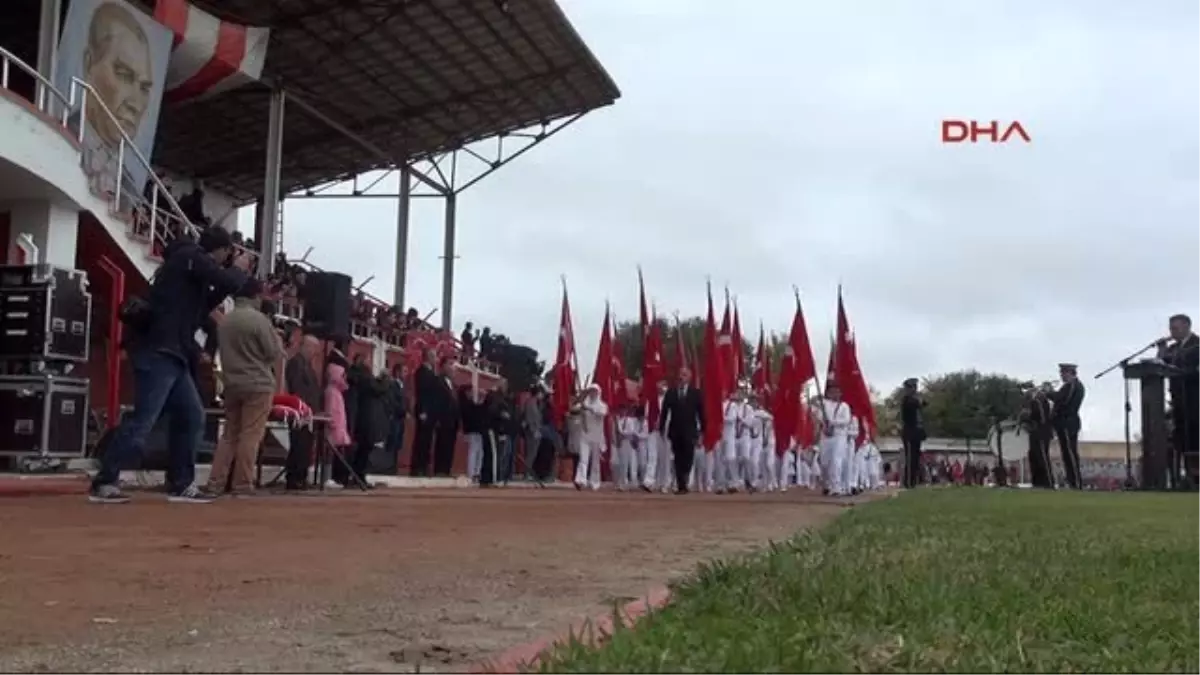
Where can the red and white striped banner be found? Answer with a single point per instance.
(208, 55)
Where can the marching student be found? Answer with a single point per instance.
(767, 463)
(726, 454)
(835, 423)
(593, 412)
(659, 474)
(873, 465)
(632, 437)
(750, 446)
(850, 467)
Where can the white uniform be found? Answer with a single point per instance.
(835, 416)
(659, 473)
(873, 465)
(593, 412)
(726, 454)
(631, 438)
(850, 468)
(808, 468)
(769, 464)
(751, 449)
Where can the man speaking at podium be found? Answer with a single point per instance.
(1182, 350)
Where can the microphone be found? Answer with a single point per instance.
(1161, 342)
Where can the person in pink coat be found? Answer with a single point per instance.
(337, 433)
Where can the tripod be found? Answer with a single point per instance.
(1129, 481)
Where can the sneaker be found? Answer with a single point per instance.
(107, 494)
(192, 495)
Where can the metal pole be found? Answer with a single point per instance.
(270, 197)
(403, 204)
(448, 261)
(48, 27)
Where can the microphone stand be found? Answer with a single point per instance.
(1122, 364)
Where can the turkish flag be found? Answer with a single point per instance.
(681, 351)
(653, 371)
(739, 356)
(728, 382)
(849, 376)
(565, 378)
(714, 378)
(796, 369)
(760, 379)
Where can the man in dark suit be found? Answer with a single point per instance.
(426, 409)
(1183, 352)
(447, 420)
(682, 420)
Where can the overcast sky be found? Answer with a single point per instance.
(772, 143)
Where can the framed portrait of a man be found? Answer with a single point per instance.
(122, 53)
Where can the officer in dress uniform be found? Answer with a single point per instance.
(1065, 417)
(1035, 420)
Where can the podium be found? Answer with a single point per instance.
(1157, 465)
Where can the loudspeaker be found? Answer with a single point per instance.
(327, 305)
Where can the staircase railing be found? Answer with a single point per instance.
(157, 217)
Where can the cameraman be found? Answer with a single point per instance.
(161, 344)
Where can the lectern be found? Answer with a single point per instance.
(1156, 447)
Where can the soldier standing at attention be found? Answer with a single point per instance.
(912, 432)
(1065, 415)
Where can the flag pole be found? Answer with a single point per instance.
(816, 372)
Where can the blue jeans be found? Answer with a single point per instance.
(507, 458)
(161, 384)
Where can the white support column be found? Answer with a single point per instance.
(403, 203)
(270, 198)
(54, 229)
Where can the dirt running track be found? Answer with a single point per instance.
(392, 581)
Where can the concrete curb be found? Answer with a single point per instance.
(522, 658)
(34, 485)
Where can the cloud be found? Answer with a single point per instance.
(791, 143)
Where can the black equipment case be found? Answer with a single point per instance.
(43, 415)
(45, 313)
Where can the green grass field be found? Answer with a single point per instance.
(963, 580)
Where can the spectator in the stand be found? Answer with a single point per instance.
(428, 408)
(531, 431)
(192, 205)
(485, 343)
(161, 345)
(398, 412)
(281, 264)
(302, 381)
(338, 428)
(412, 320)
(372, 421)
(239, 239)
(504, 428)
(251, 363)
(471, 414)
(447, 431)
(468, 340)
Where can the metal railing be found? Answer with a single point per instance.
(389, 336)
(157, 217)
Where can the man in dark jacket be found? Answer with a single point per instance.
(164, 354)
(302, 380)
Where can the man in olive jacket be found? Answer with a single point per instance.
(251, 361)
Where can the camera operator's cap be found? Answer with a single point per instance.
(252, 287)
(911, 382)
(213, 238)
(1068, 367)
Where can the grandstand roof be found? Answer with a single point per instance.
(414, 77)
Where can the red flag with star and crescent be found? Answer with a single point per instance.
(849, 375)
(795, 371)
(652, 357)
(713, 381)
(565, 377)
